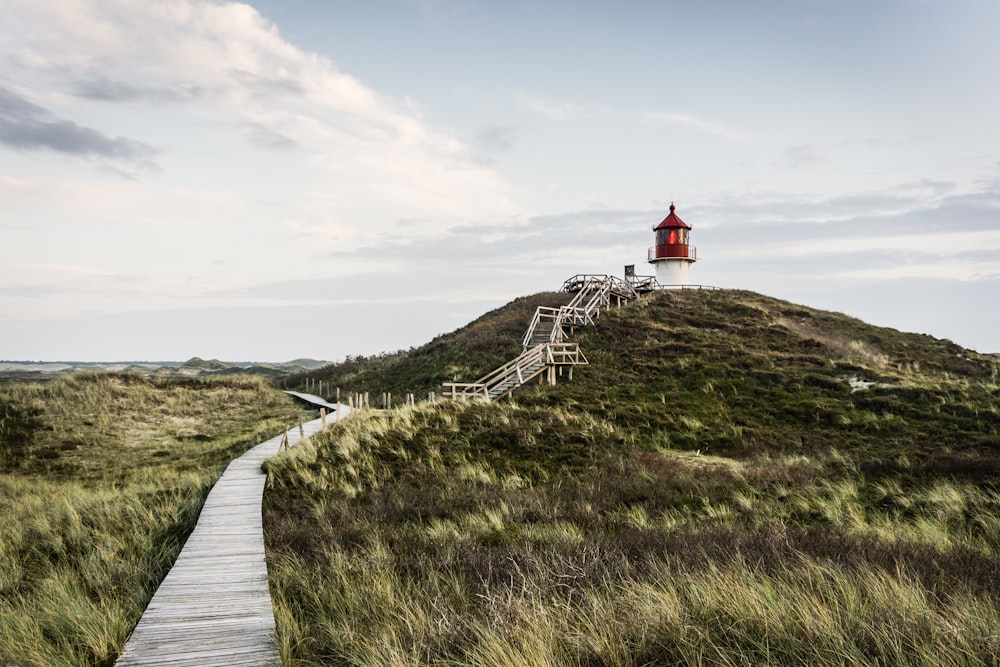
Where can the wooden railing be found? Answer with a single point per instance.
(525, 367)
(593, 292)
(542, 314)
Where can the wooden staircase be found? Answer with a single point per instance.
(546, 353)
(547, 358)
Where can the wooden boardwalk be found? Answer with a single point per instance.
(214, 607)
(317, 402)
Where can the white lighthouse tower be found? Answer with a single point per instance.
(672, 255)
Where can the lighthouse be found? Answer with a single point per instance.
(672, 255)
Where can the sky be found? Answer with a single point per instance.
(290, 178)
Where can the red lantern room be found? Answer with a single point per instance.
(672, 254)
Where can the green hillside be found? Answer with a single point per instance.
(732, 480)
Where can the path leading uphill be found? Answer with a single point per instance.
(214, 607)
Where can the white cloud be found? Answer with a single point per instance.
(696, 123)
(223, 65)
(546, 108)
(804, 156)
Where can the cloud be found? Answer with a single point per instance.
(106, 90)
(547, 109)
(27, 126)
(494, 140)
(911, 230)
(269, 85)
(267, 138)
(799, 157)
(695, 123)
(36, 291)
(561, 111)
(198, 73)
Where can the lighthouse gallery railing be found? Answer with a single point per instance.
(674, 252)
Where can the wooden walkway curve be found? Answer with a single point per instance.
(214, 607)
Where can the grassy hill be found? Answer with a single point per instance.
(732, 480)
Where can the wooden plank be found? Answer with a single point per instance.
(214, 607)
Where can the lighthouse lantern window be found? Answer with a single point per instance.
(671, 236)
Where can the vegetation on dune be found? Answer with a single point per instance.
(736, 373)
(101, 479)
(711, 489)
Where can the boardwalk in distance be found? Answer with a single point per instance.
(214, 607)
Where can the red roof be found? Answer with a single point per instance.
(672, 221)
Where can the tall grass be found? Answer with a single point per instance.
(515, 534)
(103, 478)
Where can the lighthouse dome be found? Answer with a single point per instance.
(672, 221)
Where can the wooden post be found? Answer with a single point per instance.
(322, 415)
(390, 399)
(367, 404)
(284, 441)
(302, 430)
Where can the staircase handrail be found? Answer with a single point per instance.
(573, 284)
(544, 354)
(543, 312)
(562, 354)
(522, 360)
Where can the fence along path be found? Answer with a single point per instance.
(214, 607)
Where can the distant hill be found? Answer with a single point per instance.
(210, 365)
(41, 370)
